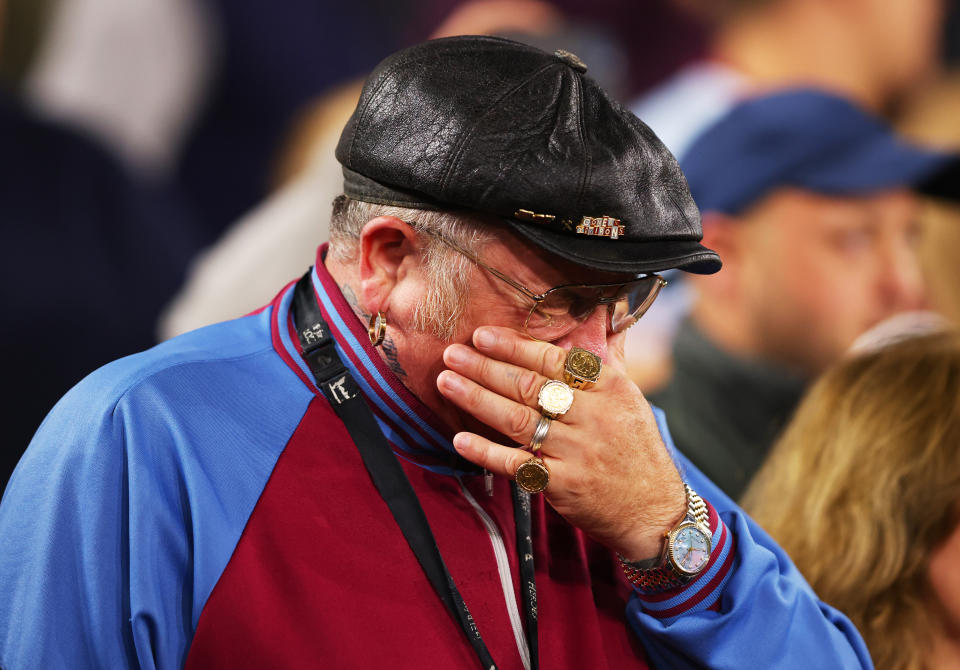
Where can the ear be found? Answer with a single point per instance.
(389, 250)
(724, 234)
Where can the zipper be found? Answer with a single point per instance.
(506, 578)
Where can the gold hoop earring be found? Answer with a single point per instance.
(377, 328)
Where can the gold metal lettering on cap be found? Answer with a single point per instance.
(601, 226)
(527, 215)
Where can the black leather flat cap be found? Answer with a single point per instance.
(496, 126)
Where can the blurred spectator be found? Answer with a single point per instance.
(131, 71)
(205, 89)
(871, 51)
(90, 255)
(809, 201)
(241, 272)
(274, 60)
(932, 117)
(209, 88)
(278, 237)
(874, 52)
(863, 492)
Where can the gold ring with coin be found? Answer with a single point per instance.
(540, 433)
(554, 398)
(532, 476)
(581, 368)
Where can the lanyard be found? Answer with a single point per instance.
(343, 393)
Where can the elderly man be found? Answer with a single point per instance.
(813, 204)
(336, 481)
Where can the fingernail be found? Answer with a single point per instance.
(450, 381)
(461, 442)
(457, 353)
(483, 337)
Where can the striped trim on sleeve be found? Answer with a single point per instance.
(704, 591)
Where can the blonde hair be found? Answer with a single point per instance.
(439, 310)
(865, 482)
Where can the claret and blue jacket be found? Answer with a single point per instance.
(200, 505)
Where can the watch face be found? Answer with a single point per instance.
(690, 550)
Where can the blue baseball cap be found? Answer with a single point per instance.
(813, 140)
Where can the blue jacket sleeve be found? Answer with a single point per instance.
(129, 501)
(65, 569)
(762, 614)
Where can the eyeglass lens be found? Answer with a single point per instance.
(564, 307)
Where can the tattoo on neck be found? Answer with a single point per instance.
(354, 303)
(389, 349)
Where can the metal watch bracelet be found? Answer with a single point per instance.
(658, 574)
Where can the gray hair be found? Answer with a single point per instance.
(440, 309)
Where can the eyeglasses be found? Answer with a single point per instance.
(559, 310)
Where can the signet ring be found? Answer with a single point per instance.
(581, 368)
(532, 475)
(554, 398)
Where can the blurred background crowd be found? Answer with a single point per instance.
(165, 164)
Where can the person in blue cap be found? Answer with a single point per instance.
(813, 204)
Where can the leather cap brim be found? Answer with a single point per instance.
(623, 255)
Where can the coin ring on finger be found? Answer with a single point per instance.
(555, 398)
(581, 368)
(532, 476)
(540, 433)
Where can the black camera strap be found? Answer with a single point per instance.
(343, 393)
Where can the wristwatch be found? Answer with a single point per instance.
(685, 553)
